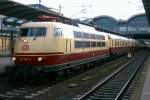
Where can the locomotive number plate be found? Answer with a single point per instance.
(25, 47)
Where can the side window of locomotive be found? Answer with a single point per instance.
(57, 32)
(100, 37)
(93, 36)
(103, 37)
(87, 44)
(78, 44)
(93, 44)
(34, 31)
(86, 35)
(77, 34)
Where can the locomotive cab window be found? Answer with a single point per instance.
(57, 32)
(34, 31)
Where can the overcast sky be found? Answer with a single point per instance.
(119, 9)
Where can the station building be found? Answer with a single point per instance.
(4, 37)
(137, 24)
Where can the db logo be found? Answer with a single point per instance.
(25, 47)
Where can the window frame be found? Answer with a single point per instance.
(57, 35)
(30, 30)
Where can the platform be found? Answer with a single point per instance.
(3, 62)
(146, 88)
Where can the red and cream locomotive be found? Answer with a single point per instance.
(55, 46)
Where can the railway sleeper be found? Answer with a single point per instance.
(104, 96)
(108, 92)
(110, 89)
(99, 98)
(5, 97)
(112, 85)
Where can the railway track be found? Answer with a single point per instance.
(23, 91)
(10, 94)
(114, 86)
(16, 91)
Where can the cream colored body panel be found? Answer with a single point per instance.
(64, 43)
(40, 45)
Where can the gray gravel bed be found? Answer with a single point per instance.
(78, 85)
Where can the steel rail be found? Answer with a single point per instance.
(130, 80)
(101, 84)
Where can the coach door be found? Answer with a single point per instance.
(68, 46)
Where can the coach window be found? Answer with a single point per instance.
(121, 43)
(93, 44)
(125, 43)
(115, 43)
(57, 32)
(98, 37)
(103, 44)
(98, 44)
(112, 43)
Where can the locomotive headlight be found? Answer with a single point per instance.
(25, 41)
(39, 59)
(13, 58)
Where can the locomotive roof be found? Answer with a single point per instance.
(35, 24)
(81, 27)
(113, 36)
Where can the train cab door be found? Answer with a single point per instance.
(68, 49)
(68, 46)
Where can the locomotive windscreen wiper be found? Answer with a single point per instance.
(19, 34)
(34, 38)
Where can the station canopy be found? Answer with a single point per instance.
(146, 4)
(20, 11)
